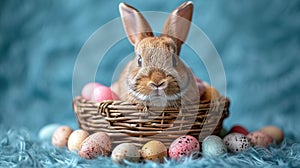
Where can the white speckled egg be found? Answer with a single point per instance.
(125, 151)
(213, 146)
(47, 131)
(154, 151)
(97, 144)
(76, 138)
(61, 135)
(236, 142)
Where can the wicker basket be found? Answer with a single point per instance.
(125, 122)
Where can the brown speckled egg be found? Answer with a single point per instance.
(61, 135)
(97, 144)
(76, 138)
(236, 142)
(259, 138)
(184, 146)
(154, 151)
(275, 132)
(125, 151)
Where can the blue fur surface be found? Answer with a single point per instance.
(258, 41)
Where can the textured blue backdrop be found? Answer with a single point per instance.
(258, 41)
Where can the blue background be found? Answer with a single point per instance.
(258, 41)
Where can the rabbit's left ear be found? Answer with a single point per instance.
(178, 24)
(135, 25)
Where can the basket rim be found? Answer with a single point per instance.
(124, 105)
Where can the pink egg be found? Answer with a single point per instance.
(184, 146)
(87, 90)
(101, 93)
(259, 138)
(97, 144)
(200, 85)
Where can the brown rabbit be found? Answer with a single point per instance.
(157, 76)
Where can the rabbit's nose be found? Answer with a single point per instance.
(158, 85)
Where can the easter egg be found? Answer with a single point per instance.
(97, 144)
(184, 146)
(47, 131)
(101, 93)
(154, 151)
(125, 151)
(61, 135)
(210, 94)
(259, 138)
(87, 90)
(213, 146)
(239, 129)
(223, 133)
(275, 132)
(236, 142)
(76, 138)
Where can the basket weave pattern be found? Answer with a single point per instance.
(126, 122)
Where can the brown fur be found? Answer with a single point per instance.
(137, 84)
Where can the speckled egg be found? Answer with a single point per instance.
(275, 132)
(239, 129)
(101, 93)
(97, 144)
(213, 146)
(184, 146)
(154, 151)
(47, 131)
(61, 135)
(259, 138)
(125, 151)
(76, 138)
(236, 142)
(87, 90)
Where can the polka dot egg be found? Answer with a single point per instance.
(236, 142)
(184, 146)
(154, 151)
(97, 144)
(125, 151)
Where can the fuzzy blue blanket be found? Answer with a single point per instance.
(258, 42)
(19, 148)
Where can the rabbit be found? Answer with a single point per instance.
(157, 76)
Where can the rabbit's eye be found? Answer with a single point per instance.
(140, 61)
(174, 60)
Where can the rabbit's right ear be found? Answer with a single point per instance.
(178, 24)
(135, 25)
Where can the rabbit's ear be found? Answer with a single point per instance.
(135, 25)
(178, 24)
